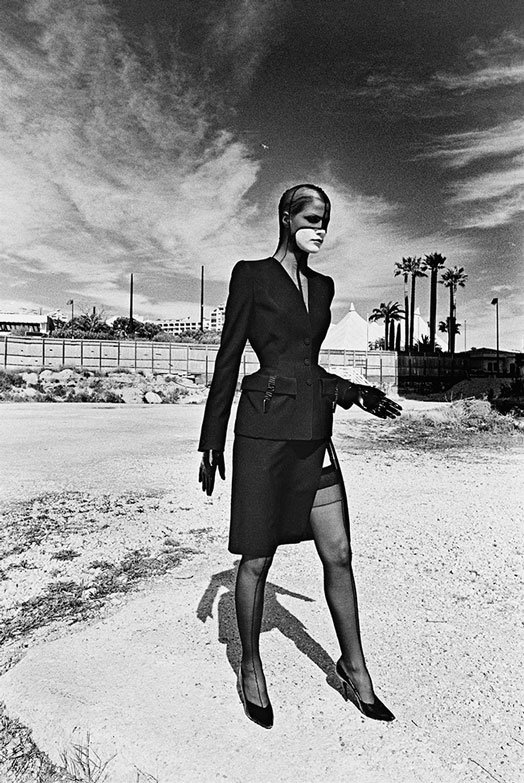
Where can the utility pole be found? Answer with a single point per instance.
(131, 303)
(202, 300)
(465, 333)
(495, 302)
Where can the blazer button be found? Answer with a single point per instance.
(307, 362)
(307, 340)
(309, 382)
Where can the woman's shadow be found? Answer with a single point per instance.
(275, 616)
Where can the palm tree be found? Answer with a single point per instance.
(452, 279)
(415, 267)
(388, 313)
(434, 261)
(443, 326)
(403, 268)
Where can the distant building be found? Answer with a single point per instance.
(25, 323)
(216, 319)
(215, 322)
(483, 361)
(180, 325)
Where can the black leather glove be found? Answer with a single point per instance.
(374, 401)
(211, 460)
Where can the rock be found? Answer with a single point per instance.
(131, 395)
(64, 375)
(45, 376)
(30, 378)
(30, 393)
(152, 398)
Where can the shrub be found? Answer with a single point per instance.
(10, 379)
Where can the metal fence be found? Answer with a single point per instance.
(379, 367)
(422, 372)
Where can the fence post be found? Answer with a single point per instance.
(81, 353)
(170, 347)
(135, 357)
(187, 360)
(100, 354)
(5, 352)
(118, 353)
(381, 370)
(63, 351)
(43, 351)
(207, 365)
(152, 356)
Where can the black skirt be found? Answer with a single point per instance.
(274, 485)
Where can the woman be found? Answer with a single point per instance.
(282, 427)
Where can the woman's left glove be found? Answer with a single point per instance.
(374, 401)
(211, 460)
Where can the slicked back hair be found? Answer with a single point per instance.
(293, 201)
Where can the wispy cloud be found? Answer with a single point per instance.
(460, 149)
(490, 65)
(110, 162)
(490, 191)
(240, 34)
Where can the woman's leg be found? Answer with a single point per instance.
(330, 532)
(249, 601)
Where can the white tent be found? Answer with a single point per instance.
(352, 333)
(421, 329)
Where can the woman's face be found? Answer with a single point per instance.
(307, 226)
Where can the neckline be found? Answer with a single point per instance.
(295, 287)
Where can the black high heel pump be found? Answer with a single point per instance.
(263, 716)
(377, 710)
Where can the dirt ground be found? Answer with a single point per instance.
(149, 672)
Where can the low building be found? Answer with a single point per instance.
(25, 323)
(181, 325)
(214, 322)
(483, 361)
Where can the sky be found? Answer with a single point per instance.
(156, 136)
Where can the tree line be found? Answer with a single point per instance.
(411, 268)
(93, 326)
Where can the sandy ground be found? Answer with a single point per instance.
(437, 555)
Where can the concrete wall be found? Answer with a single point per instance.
(379, 367)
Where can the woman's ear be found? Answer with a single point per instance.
(285, 219)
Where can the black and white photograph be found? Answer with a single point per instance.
(261, 391)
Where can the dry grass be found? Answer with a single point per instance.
(44, 525)
(77, 601)
(466, 423)
(20, 759)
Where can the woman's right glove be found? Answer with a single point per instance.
(211, 460)
(374, 401)
(370, 399)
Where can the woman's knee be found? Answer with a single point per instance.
(337, 554)
(255, 566)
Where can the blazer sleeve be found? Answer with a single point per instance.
(227, 363)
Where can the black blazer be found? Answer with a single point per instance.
(290, 397)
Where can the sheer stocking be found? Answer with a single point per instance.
(249, 602)
(331, 533)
